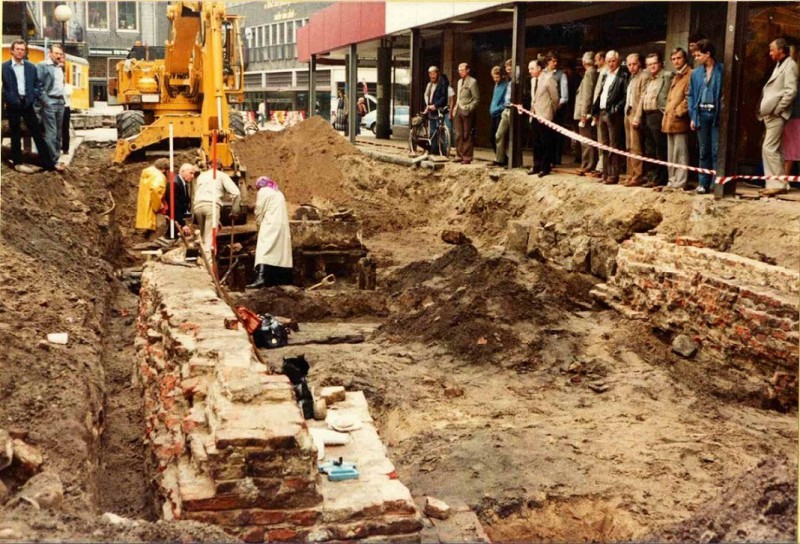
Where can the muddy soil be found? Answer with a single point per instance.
(493, 378)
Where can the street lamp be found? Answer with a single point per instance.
(63, 13)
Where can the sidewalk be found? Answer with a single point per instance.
(480, 154)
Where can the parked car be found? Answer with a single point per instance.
(400, 118)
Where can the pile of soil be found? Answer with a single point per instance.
(760, 506)
(302, 160)
(478, 308)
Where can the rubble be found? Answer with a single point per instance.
(436, 509)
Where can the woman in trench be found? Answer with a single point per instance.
(274, 247)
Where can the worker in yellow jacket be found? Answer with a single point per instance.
(152, 186)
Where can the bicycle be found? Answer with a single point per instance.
(419, 135)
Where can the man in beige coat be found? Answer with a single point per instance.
(774, 109)
(633, 132)
(583, 112)
(676, 120)
(544, 103)
(467, 98)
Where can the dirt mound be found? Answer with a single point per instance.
(761, 506)
(302, 159)
(303, 305)
(467, 303)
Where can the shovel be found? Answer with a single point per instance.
(330, 279)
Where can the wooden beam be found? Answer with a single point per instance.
(733, 57)
(518, 61)
(415, 70)
(312, 86)
(352, 72)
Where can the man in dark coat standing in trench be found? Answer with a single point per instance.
(183, 201)
(21, 90)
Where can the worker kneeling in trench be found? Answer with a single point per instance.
(273, 263)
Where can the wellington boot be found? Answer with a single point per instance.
(261, 277)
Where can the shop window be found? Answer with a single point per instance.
(127, 16)
(97, 15)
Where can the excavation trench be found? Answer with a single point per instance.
(497, 381)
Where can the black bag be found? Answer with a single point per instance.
(271, 334)
(296, 369)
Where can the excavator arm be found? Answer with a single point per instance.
(191, 88)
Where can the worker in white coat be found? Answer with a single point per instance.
(273, 262)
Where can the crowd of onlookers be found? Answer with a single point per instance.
(39, 95)
(631, 103)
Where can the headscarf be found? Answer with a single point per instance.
(264, 181)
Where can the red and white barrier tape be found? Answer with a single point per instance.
(584, 140)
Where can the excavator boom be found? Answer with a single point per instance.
(190, 88)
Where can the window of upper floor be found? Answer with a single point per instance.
(128, 16)
(97, 15)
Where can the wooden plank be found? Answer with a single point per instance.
(332, 333)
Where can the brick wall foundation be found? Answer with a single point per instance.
(742, 310)
(228, 441)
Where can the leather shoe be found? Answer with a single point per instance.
(543, 174)
(532, 172)
(610, 181)
(773, 192)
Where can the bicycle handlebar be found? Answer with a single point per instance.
(441, 111)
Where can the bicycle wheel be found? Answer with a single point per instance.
(415, 135)
(443, 141)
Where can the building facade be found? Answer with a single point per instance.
(101, 32)
(274, 79)
(484, 34)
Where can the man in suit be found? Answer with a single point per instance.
(583, 112)
(21, 89)
(650, 115)
(183, 202)
(633, 131)
(774, 109)
(51, 102)
(467, 98)
(608, 109)
(544, 103)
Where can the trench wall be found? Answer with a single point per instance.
(229, 444)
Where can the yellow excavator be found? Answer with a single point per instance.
(189, 84)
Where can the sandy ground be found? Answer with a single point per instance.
(494, 379)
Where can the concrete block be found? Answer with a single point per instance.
(332, 394)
